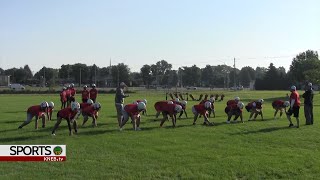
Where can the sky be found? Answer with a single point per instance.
(137, 32)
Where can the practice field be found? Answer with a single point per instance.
(253, 150)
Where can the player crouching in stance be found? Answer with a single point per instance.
(170, 109)
(144, 112)
(37, 111)
(281, 106)
(255, 108)
(91, 111)
(68, 114)
(202, 109)
(211, 110)
(236, 110)
(159, 106)
(132, 111)
(183, 104)
(50, 110)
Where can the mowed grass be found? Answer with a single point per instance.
(253, 150)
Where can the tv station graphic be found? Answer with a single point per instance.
(53, 153)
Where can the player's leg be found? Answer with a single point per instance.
(296, 115)
(36, 122)
(275, 113)
(157, 114)
(138, 122)
(173, 117)
(94, 121)
(289, 117)
(180, 114)
(43, 117)
(27, 121)
(69, 126)
(75, 126)
(196, 114)
(251, 114)
(85, 119)
(56, 125)
(125, 118)
(165, 117)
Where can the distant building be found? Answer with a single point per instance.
(4, 80)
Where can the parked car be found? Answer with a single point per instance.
(194, 88)
(16, 87)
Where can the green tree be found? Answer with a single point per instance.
(146, 74)
(303, 62)
(246, 75)
(120, 73)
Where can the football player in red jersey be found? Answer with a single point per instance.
(91, 111)
(63, 97)
(236, 110)
(132, 111)
(294, 106)
(159, 106)
(255, 108)
(233, 101)
(144, 112)
(281, 106)
(68, 114)
(202, 109)
(210, 110)
(170, 109)
(85, 94)
(93, 93)
(37, 111)
(72, 90)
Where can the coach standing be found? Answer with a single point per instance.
(308, 104)
(119, 99)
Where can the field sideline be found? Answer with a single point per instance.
(253, 150)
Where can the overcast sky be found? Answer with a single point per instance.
(137, 32)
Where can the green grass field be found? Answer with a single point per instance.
(253, 150)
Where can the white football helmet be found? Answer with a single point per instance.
(237, 99)
(141, 106)
(85, 86)
(75, 106)
(286, 103)
(145, 101)
(177, 99)
(240, 105)
(293, 88)
(212, 99)
(178, 108)
(89, 101)
(71, 85)
(261, 101)
(184, 103)
(51, 104)
(93, 85)
(170, 102)
(44, 104)
(97, 105)
(207, 104)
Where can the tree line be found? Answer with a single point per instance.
(305, 67)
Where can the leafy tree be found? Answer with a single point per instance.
(146, 74)
(191, 76)
(159, 70)
(303, 62)
(247, 74)
(120, 73)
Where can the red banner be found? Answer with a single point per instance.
(33, 158)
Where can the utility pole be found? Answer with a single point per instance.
(80, 79)
(44, 76)
(95, 74)
(234, 75)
